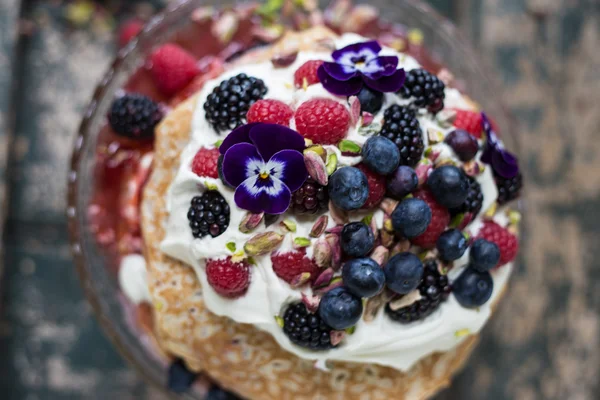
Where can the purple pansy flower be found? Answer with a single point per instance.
(264, 162)
(503, 162)
(360, 64)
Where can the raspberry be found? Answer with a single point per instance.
(270, 111)
(376, 185)
(172, 68)
(506, 241)
(134, 116)
(208, 215)
(129, 30)
(205, 163)
(469, 121)
(227, 278)
(402, 127)
(305, 329)
(426, 88)
(440, 218)
(323, 121)
(434, 288)
(289, 265)
(210, 71)
(307, 71)
(311, 198)
(228, 104)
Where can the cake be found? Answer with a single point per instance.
(324, 218)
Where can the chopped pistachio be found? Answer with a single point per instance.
(289, 225)
(462, 332)
(435, 136)
(211, 185)
(301, 241)
(368, 130)
(231, 246)
(491, 211)
(238, 256)
(348, 146)
(279, 321)
(331, 164)
(415, 37)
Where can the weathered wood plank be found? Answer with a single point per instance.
(9, 11)
(51, 346)
(544, 342)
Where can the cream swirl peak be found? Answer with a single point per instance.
(288, 274)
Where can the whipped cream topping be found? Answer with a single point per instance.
(133, 279)
(381, 341)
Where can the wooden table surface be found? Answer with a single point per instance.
(543, 344)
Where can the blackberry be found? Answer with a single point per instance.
(402, 127)
(508, 189)
(426, 89)
(434, 288)
(228, 104)
(305, 329)
(208, 214)
(134, 116)
(473, 202)
(311, 198)
(180, 378)
(217, 393)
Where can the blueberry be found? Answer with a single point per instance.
(402, 182)
(216, 393)
(403, 273)
(371, 100)
(463, 143)
(411, 217)
(363, 277)
(180, 378)
(473, 288)
(484, 255)
(451, 245)
(357, 239)
(348, 188)
(449, 185)
(381, 155)
(340, 309)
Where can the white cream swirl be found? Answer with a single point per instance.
(381, 341)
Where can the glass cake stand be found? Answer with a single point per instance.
(440, 37)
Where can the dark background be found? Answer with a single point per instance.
(543, 344)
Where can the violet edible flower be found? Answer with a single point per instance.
(264, 162)
(503, 162)
(360, 64)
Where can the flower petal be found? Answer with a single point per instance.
(340, 72)
(339, 88)
(391, 83)
(380, 66)
(269, 195)
(238, 135)
(505, 163)
(486, 125)
(289, 167)
(272, 138)
(240, 162)
(369, 50)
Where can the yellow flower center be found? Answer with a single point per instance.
(264, 175)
